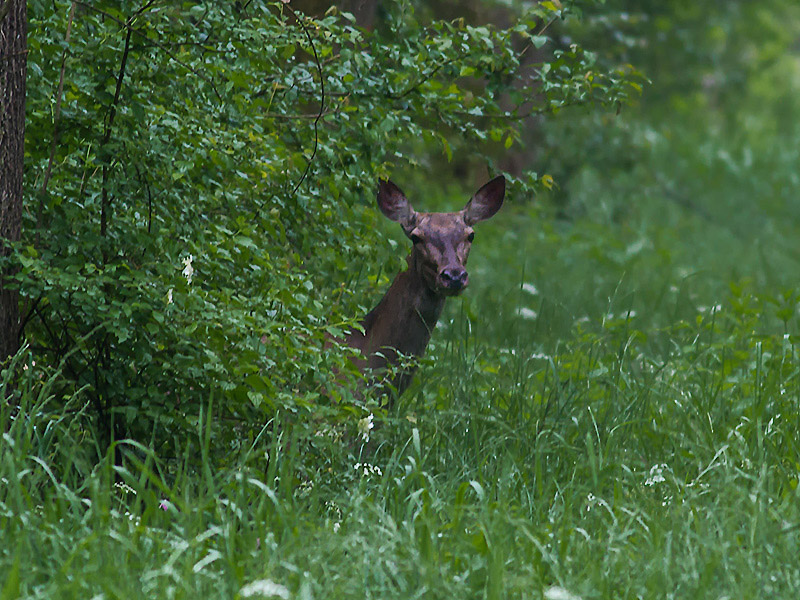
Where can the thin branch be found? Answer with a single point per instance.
(506, 116)
(427, 77)
(56, 117)
(28, 315)
(56, 341)
(155, 42)
(321, 100)
(112, 109)
(112, 112)
(291, 117)
(539, 33)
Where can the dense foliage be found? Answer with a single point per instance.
(610, 410)
(204, 181)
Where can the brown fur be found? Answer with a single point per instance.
(404, 319)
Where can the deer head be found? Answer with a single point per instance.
(441, 240)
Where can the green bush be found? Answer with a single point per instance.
(210, 189)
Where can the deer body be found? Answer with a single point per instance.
(402, 322)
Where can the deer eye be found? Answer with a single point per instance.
(415, 239)
(471, 236)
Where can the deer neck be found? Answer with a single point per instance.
(406, 316)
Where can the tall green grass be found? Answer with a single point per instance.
(611, 411)
(586, 425)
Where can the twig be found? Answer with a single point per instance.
(56, 116)
(427, 77)
(155, 42)
(112, 112)
(321, 100)
(291, 117)
(507, 116)
(539, 33)
(29, 313)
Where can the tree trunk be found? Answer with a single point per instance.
(13, 68)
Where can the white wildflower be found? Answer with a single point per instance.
(265, 588)
(558, 593)
(125, 488)
(710, 309)
(530, 288)
(188, 269)
(169, 296)
(368, 469)
(527, 313)
(656, 475)
(365, 425)
(336, 526)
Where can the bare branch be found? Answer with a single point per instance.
(112, 112)
(321, 100)
(56, 116)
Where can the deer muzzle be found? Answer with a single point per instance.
(454, 279)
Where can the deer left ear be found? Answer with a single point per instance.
(393, 203)
(486, 202)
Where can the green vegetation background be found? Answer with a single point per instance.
(610, 411)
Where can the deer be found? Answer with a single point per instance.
(402, 322)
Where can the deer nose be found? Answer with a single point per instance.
(454, 278)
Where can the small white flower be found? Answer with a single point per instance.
(336, 527)
(558, 593)
(527, 313)
(265, 588)
(368, 469)
(125, 488)
(365, 425)
(656, 475)
(530, 288)
(169, 296)
(188, 269)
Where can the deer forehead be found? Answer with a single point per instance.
(442, 227)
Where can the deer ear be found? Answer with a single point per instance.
(486, 201)
(395, 206)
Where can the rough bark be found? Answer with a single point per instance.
(13, 68)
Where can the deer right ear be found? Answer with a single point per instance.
(486, 201)
(395, 206)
